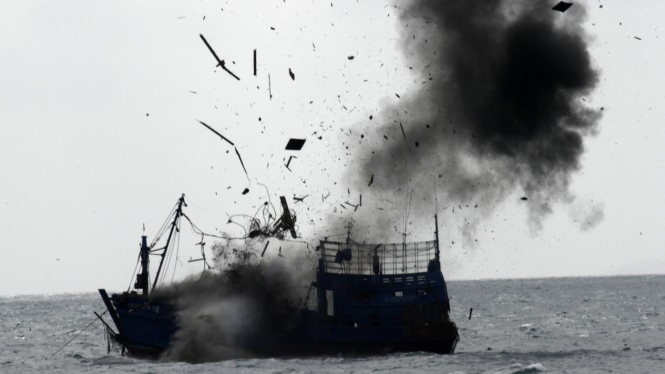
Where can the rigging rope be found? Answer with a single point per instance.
(77, 335)
(129, 287)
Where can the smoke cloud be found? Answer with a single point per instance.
(501, 105)
(240, 310)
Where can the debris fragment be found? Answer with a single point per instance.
(220, 135)
(289, 162)
(287, 221)
(371, 180)
(255, 62)
(245, 191)
(351, 57)
(562, 6)
(299, 199)
(293, 76)
(264, 248)
(295, 144)
(638, 38)
(397, 96)
(403, 134)
(524, 198)
(219, 62)
(269, 87)
(241, 163)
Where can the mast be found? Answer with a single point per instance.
(142, 279)
(174, 225)
(436, 221)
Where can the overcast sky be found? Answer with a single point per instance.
(98, 110)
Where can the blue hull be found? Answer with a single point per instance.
(356, 325)
(317, 339)
(367, 303)
(145, 328)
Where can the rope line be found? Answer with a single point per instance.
(77, 335)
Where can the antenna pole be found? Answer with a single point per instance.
(436, 199)
(436, 232)
(436, 221)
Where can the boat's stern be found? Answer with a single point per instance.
(145, 327)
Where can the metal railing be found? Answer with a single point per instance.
(394, 258)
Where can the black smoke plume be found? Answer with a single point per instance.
(501, 105)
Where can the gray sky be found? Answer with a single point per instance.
(98, 112)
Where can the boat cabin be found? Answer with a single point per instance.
(374, 285)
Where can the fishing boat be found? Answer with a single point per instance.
(370, 298)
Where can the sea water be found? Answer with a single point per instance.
(554, 325)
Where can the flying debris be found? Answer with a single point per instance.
(287, 221)
(220, 135)
(524, 198)
(562, 6)
(351, 57)
(255, 62)
(272, 227)
(371, 180)
(245, 191)
(219, 62)
(264, 248)
(241, 163)
(289, 162)
(230, 142)
(295, 144)
(299, 199)
(293, 76)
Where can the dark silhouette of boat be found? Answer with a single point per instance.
(371, 298)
